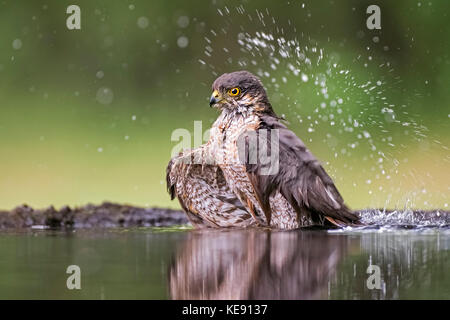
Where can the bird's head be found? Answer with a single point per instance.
(239, 90)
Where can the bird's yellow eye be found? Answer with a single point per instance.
(234, 92)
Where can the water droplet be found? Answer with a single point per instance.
(105, 95)
(182, 42)
(142, 22)
(17, 44)
(183, 21)
(100, 74)
(304, 77)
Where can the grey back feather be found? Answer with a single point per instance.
(301, 179)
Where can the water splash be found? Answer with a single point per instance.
(405, 219)
(352, 111)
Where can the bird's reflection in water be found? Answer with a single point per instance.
(255, 264)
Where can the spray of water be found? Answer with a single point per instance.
(350, 110)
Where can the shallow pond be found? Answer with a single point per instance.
(178, 262)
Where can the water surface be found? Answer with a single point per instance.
(181, 263)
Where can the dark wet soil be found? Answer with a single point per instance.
(90, 216)
(109, 215)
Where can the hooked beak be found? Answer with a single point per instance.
(215, 98)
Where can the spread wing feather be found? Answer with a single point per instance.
(298, 176)
(204, 194)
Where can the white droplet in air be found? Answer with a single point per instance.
(105, 95)
(131, 7)
(183, 21)
(133, 117)
(17, 44)
(100, 74)
(182, 42)
(142, 22)
(100, 149)
(304, 77)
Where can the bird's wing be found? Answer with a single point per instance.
(290, 168)
(203, 193)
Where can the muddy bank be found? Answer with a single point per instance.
(105, 215)
(108, 215)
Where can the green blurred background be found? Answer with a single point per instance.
(87, 115)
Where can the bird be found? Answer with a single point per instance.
(253, 171)
(262, 265)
